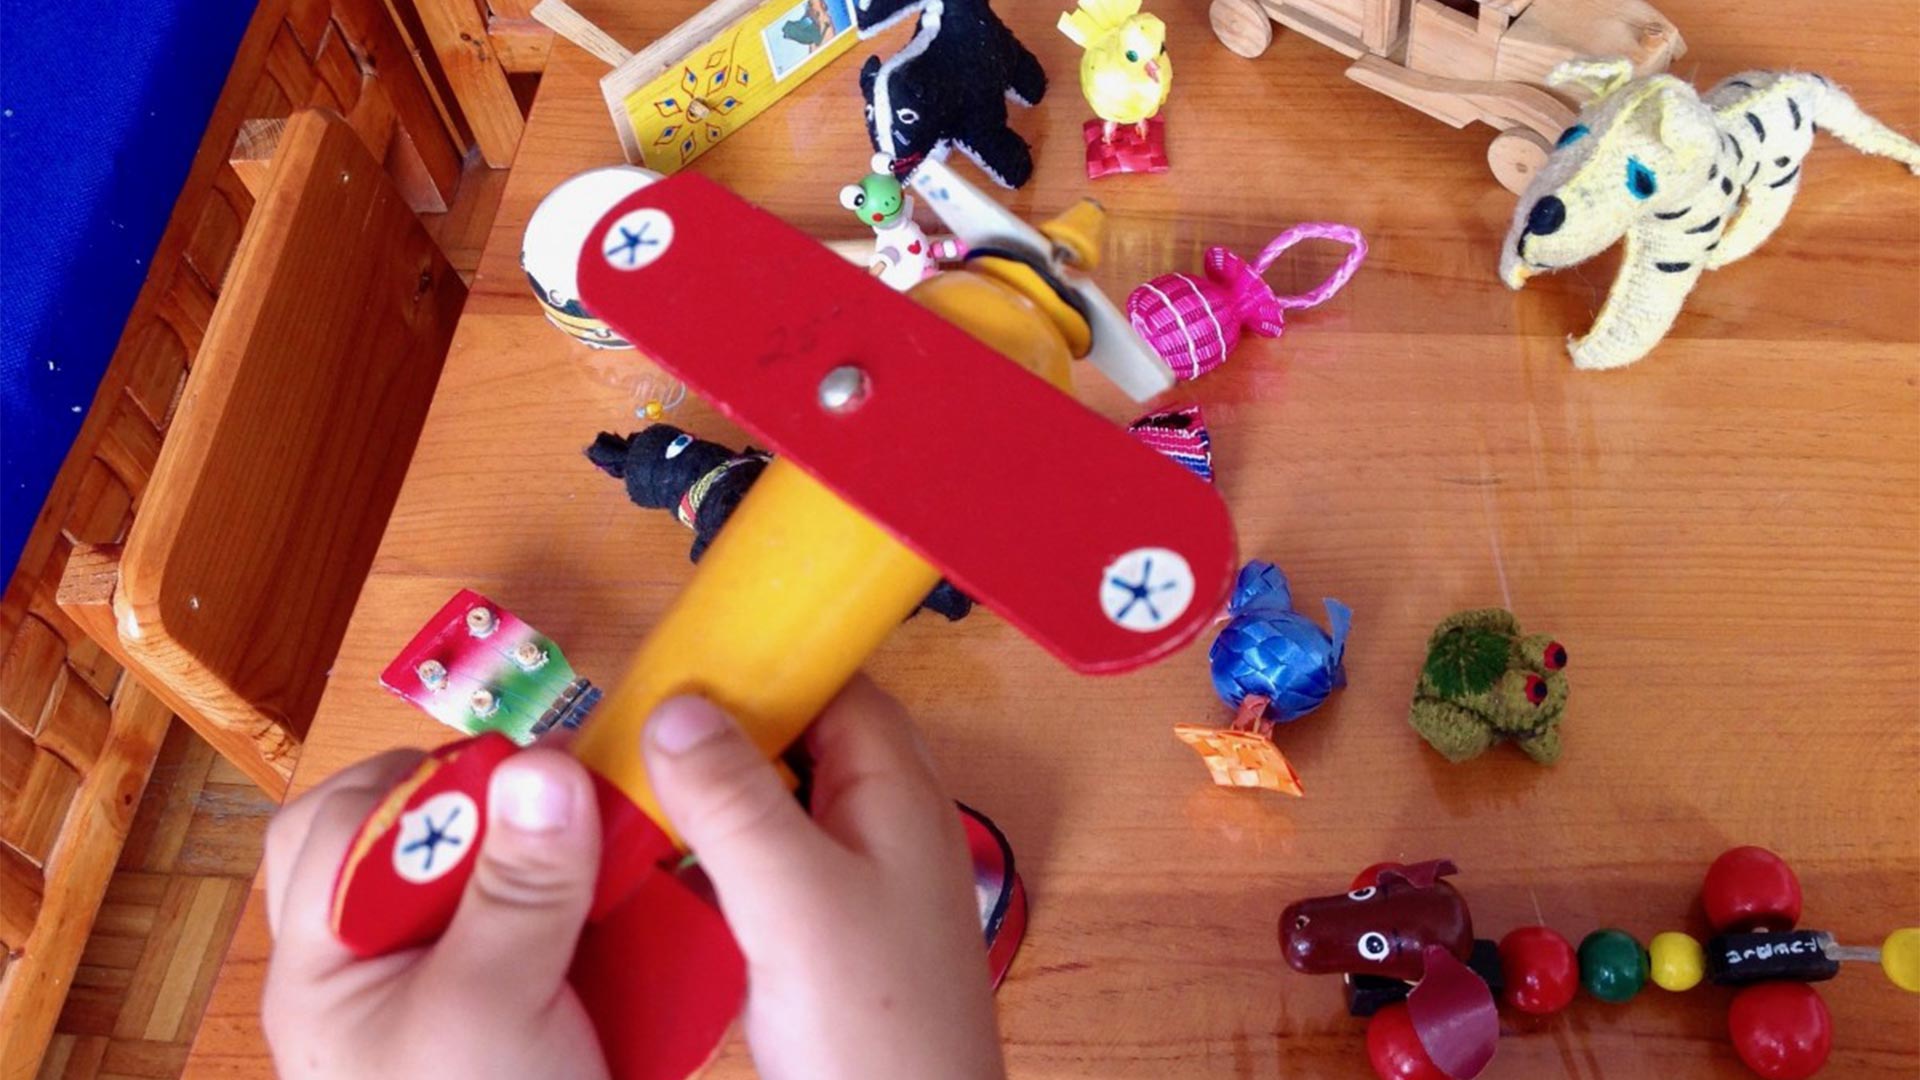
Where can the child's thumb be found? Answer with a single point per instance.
(532, 883)
(732, 809)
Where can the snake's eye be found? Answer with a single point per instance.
(678, 446)
(1362, 894)
(1640, 180)
(1373, 945)
(1572, 135)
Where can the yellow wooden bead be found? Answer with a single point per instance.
(1900, 956)
(1679, 963)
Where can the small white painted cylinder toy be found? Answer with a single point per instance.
(550, 248)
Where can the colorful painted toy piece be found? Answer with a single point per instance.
(1484, 681)
(1409, 925)
(835, 544)
(1126, 75)
(1269, 650)
(476, 667)
(903, 255)
(1193, 323)
(678, 97)
(1398, 916)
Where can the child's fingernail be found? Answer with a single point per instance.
(683, 723)
(528, 798)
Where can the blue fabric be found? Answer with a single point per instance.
(102, 104)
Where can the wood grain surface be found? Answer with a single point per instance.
(287, 450)
(1726, 536)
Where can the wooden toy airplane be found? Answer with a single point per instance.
(906, 448)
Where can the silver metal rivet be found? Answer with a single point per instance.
(843, 389)
(482, 702)
(433, 674)
(1146, 589)
(637, 239)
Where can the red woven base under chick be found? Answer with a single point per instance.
(1128, 151)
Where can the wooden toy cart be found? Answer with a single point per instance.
(1467, 60)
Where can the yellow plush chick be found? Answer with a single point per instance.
(1125, 71)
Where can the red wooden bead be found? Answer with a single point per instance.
(1394, 1050)
(1781, 1030)
(1749, 889)
(1541, 971)
(1371, 875)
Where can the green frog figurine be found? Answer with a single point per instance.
(1485, 681)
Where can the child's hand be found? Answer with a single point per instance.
(860, 928)
(490, 998)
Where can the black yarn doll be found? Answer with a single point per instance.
(948, 87)
(665, 468)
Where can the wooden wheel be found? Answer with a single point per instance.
(1242, 26)
(1515, 155)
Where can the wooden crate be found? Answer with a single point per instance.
(76, 739)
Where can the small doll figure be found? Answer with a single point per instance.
(903, 256)
(665, 468)
(1126, 74)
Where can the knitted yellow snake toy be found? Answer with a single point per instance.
(1692, 182)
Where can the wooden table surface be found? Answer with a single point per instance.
(1726, 536)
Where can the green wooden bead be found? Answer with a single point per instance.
(1613, 966)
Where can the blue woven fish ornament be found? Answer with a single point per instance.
(1270, 650)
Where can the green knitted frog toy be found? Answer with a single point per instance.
(1485, 681)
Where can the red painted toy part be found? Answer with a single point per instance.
(1781, 1030)
(1540, 969)
(662, 979)
(1371, 875)
(408, 866)
(1018, 494)
(1454, 1014)
(997, 889)
(1750, 889)
(1394, 1050)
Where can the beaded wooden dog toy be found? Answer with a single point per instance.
(1404, 939)
(1693, 182)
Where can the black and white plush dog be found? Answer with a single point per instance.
(949, 87)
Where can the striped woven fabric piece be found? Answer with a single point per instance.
(1181, 434)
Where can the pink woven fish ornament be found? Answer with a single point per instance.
(1193, 323)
